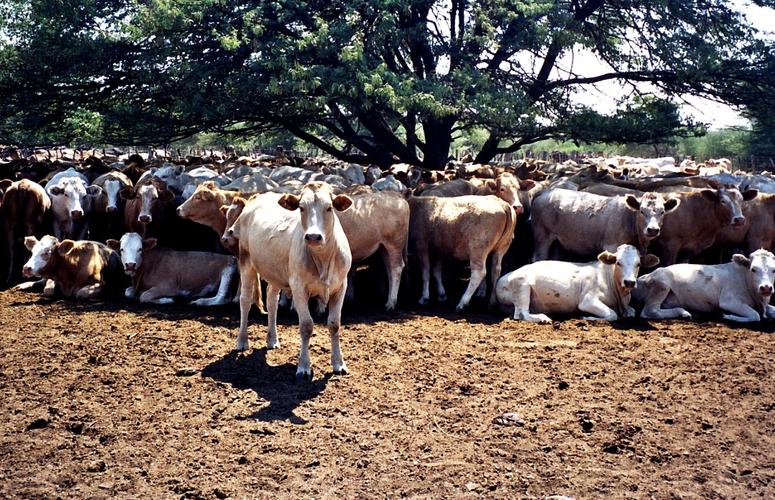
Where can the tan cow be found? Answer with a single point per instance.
(204, 207)
(160, 275)
(758, 230)
(296, 243)
(78, 269)
(506, 187)
(465, 228)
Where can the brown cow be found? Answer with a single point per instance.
(758, 230)
(78, 269)
(465, 228)
(26, 206)
(149, 208)
(696, 222)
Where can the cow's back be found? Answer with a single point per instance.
(266, 231)
(375, 219)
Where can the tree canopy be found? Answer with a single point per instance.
(375, 81)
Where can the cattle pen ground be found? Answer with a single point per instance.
(104, 400)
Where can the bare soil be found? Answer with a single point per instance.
(105, 400)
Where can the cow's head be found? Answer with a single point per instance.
(201, 204)
(71, 193)
(149, 195)
(170, 174)
(316, 204)
(651, 210)
(230, 238)
(761, 264)
(131, 248)
(627, 261)
(730, 202)
(112, 188)
(44, 253)
(507, 187)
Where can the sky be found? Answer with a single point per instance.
(716, 115)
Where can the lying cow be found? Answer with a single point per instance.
(586, 224)
(601, 288)
(158, 276)
(296, 243)
(78, 269)
(742, 288)
(464, 228)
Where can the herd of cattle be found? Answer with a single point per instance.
(210, 230)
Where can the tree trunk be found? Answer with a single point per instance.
(438, 139)
(488, 151)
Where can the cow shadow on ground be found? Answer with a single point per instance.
(274, 384)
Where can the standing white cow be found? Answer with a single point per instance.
(742, 288)
(601, 288)
(295, 243)
(70, 203)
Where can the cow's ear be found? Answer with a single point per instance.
(741, 260)
(632, 202)
(607, 257)
(5, 184)
(206, 194)
(649, 260)
(94, 190)
(166, 195)
(289, 201)
(56, 190)
(30, 242)
(149, 243)
(527, 184)
(342, 202)
(671, 204)
(209, 185)
(65, 246)
(224, 209)
(492, 185)
(127, 193)
(750, 194)
(532, 167)
(711, 194)
(113, 244)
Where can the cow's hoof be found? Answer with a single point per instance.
(442, 298)
(303, 375)
(423, 301)
(241, 346)
(272, 344)
(686, 315)
(460, 308)
(342, 370)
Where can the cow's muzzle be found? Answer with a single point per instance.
(130, 267)
(145, 219)
(652, 232)
(27, 271)
(76, 214)
(179, 211)
(110, 209)
(313, 238)
(628, 284)
(738, 221)
(517, 209)
(765, 290)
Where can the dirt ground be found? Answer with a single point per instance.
(104, 400)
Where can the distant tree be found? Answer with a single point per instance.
(371, 80)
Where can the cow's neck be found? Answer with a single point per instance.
(621, 296)
(323, 260)
(759, 303)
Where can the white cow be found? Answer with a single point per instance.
(601, 288)
(295, 243)
(742, 288)
(70, 203)
(159, 275)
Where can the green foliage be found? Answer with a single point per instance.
(368, 80)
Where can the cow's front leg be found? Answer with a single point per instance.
(629, 312)
(90, 292)
(306, 326)
(247, 294)
(50, 288)
(739, 312)
(156, 295)
(334, 323)
(595, 306)
(769, 311)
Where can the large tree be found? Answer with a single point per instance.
(373, 80)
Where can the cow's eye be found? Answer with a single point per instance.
(328, 209)
(301, 209)
(619, 264)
